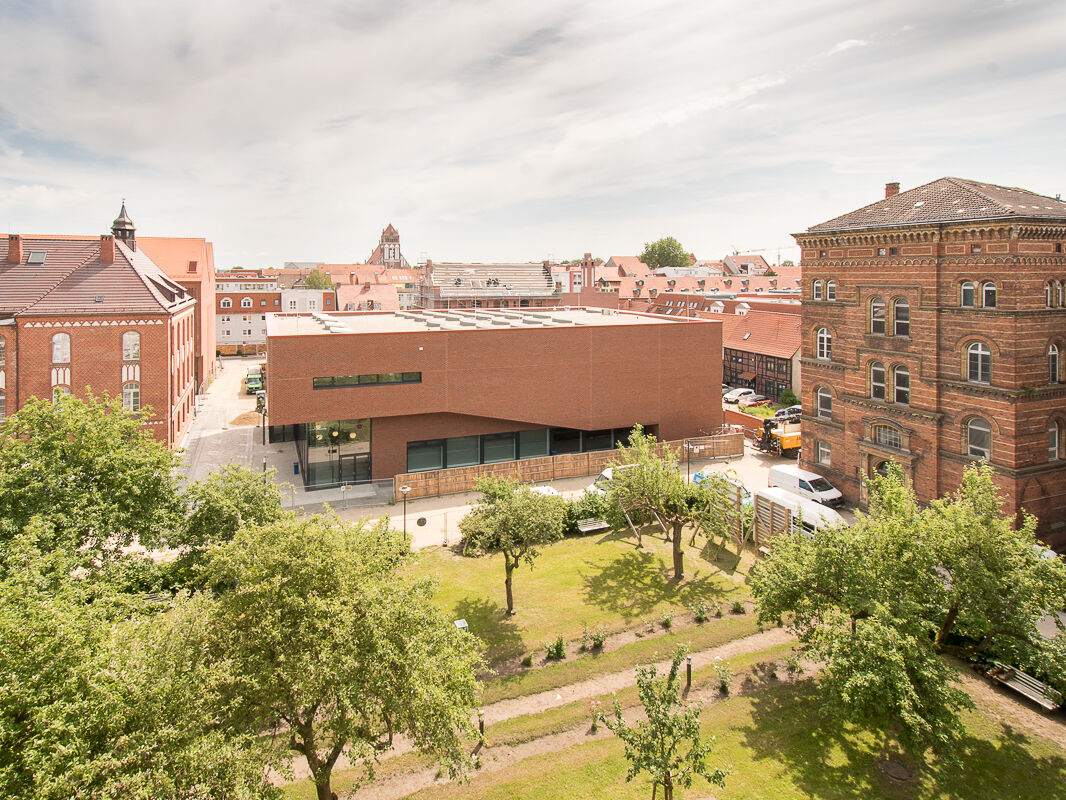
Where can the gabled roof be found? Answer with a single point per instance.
(948, 200)
(181, 258)
(72, 277)
(769, 333)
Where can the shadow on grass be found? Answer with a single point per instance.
(635, 583)
(718, 554)
(827, 758)
(489, 621)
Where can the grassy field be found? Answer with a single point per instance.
(596, 581)
(775, 744)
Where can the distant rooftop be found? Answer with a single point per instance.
(477, 319)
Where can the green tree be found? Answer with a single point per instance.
(666, 252)
(788, 263)
(649, 486)
(513, 520)
(103, 699)
(226, 500)
(89, 469)
(317, 279)
(880, 601)
(788, 398)
(657, 745)
(328, 644)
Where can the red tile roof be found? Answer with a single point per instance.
(72, 280)
(769, 333)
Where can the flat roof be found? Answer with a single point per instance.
(458, 320)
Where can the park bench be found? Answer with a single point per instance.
(1040, 693)
(593, 525)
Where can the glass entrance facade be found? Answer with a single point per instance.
(330, 453)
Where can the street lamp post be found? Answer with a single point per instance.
(688, 460)
(404, 490)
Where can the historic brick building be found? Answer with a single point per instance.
(371, 395)
(934, 326)
(96, 314)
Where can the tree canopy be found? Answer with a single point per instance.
(666, 252)
(317, 279)
(91, 471)
(881, 600)
(328, 644)
(513, 520)
(655, 745)
(649, 485)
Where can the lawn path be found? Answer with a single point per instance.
(552, 698)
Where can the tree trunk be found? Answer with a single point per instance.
(679, 555)
(668, 787)
(949, 623)
(322, 790)
(507, 583)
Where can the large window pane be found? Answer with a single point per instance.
(598, 440)
(464, 451)
(533, 444)
(565, 440)
(422, 456)
(498, 447)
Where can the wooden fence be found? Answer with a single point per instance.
(549, 468)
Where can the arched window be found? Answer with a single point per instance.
(830, 290)
(131, 396)
(226, 303)
(824, 344)
(60, 391)
(901, 317)
(3, 351)
(901, 385)
(1053, 364)
(877, 316)
(3, 406)
(1058, 293)
(966, 294)
(1049, 294)
(978, 438)
(877, 380)
(816, 290)
(888, 436)
(131, 346)
(61, 348)
(1053, 441)
(988, 294)
(823, 403)
(246, 302)
(978, 363)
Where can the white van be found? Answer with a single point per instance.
(603, 480)
(806, 484)
(778, 512)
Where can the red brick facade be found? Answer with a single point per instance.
(972, 363)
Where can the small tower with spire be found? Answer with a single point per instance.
(124, 229)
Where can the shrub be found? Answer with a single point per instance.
(556, 649)
(584, 506)
(598, 636)
(738, 607)
(723, 673)
(699, 611)
(788, 398)
(717, 610)
(527, 660)
(792, 665)
(666, 619)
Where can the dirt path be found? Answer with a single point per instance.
(582, 690)
(1004, 707)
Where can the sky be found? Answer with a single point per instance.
(512, 131)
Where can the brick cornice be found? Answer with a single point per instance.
(837, 366)
(1007, 472)
(892, 409)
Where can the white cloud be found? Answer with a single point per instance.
(847, 44)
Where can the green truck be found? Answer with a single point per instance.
(255, 380)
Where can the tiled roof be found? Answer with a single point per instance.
(948, 200)
(177, 255)
(456, 280)
(770, 333)
(72, 279)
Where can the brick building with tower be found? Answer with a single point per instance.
(934, 327)
(84, 313)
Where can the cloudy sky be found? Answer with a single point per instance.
(297, 129)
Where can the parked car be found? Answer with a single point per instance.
(791, 411)
(736, 395)
(806, 484)
(726, 389)
(603, 480)
(550, 491)
(754, 400)
(780, 511)
(745, 495)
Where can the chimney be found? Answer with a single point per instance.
(107, 248)
(891, 189)
(14, 248)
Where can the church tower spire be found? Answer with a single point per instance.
(123, 228)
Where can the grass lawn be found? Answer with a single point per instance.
(776, 745)
(594, 580)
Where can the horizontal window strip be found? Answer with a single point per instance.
(370, 379)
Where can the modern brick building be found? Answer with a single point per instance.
(81, 313)
(934, 325)
(372, 395)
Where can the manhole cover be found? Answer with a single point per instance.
(421, 522)
(896, 772)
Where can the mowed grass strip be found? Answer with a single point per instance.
(596, 581)
(776, 744)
